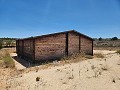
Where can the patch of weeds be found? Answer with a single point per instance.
(105, 68)
(96, 71)
(36, 68)
(99, 55)
(70, 77)
(118, 51)
(93, 67)
(113, 80)
(64, 83)
(8, 62)
(88, 56)
(8, 87)
(37, 78)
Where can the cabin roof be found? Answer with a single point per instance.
(74, 31)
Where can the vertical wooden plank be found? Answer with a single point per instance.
(33, 49)
(79, 43)
(23, 47)
(16, 46)
(92, 47)
(66, 49)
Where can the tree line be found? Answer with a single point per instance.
(7, 42)
(112, 39)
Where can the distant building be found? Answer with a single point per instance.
(54, 46)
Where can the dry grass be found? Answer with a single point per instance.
(37, 78)
(105, 67)
(99, 55)
(3, 53)
(5, 59)
(106, 48)
(88, 56)
(76, 58)
(118, 51)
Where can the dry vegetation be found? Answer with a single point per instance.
(99, 55)
(69, 73)
(5, 58)
(118, 51)
(76, 58)
(106, 48)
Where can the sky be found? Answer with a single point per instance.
(26, 18)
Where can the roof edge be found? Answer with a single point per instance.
(57, 33)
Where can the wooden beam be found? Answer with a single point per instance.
(92, 47)
(66, 47)
(33, 49)
(79, 43)
(22, 47)
(16, 46)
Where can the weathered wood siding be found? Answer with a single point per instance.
(86, 45)
(28, 48)
(54, 46)
(50, 47)
(73, 43)
(20, 47)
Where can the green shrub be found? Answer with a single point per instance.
(6, 59)
(8, 62)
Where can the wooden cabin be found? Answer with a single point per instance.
(54, 46)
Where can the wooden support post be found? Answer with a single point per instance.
(92, 47)
(66, 48)
(16, 46)
(23, 47)
(33, 49)
(79, 43)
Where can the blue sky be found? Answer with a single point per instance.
(25, 18)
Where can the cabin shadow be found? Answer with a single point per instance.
(27, 63)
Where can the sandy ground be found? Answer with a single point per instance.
(18, 65)
(103, 51)
(91, 74)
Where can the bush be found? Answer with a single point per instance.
(8, 62)
(37, 78)
(5, 59)
(0, 45)
(118, 51)
(114, 38)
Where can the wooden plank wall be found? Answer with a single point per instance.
(20, 52)
(50, 47)
(86, 45)
(25, 48)
(54, 46)
(73, 43)
(28, 48)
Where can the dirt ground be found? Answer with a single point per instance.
(91, 74)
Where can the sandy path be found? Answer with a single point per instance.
(92, 74)
(103, 51)
(18, 66)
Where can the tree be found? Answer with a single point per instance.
(8, 43)
(100, 39)
(114, 38)
(1, 44)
